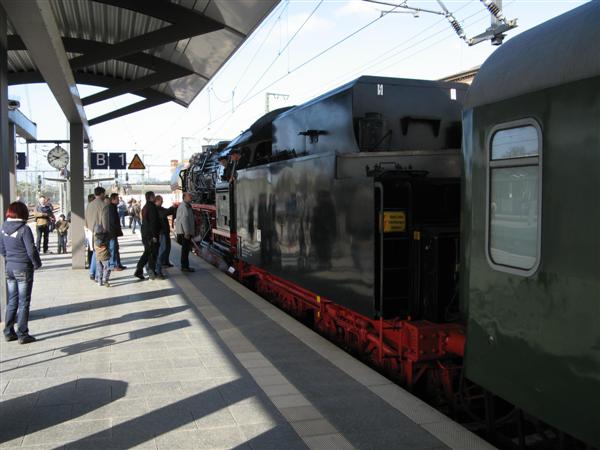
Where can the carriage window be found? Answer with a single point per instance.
(514, 198)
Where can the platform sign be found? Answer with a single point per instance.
(21, 160)
(117, 161)
(136, 163)
(99, 161)
(394, 221)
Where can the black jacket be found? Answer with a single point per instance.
(164, 214)
(112, 221)
(17, 247)
(151, 225)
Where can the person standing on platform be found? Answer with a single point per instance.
(122, 209)
(150, 238)
(62, 228)
(88, 237)
(113, 232)
(93, 217)
(185, 229)
(136, 214)
(43, 216)
(21, 260)
(164, 248)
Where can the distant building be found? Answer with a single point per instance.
(466, 76)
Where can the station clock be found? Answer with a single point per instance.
(58, 157)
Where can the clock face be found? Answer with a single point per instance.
(58, 157)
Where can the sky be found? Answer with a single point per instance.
(396, 45)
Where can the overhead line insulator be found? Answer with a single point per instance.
(493, 9)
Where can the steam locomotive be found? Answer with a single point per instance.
(403, 219)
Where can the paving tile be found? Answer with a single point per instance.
(252, 411)
(301, 413)
(262, 371)
(180, 439)
(154, 364)
(280, 389)
(204, 384)
(119, 408)
(270, 380)
(315, 427)
(224, 438)
(267, 436)
(36, 385)
(47, 416)
(453, 435)
(221, 418)
(255, 363)
(289, 401)
(187, 362)
(328, 441)
(79, 369)
(147, 390)
(70, 431)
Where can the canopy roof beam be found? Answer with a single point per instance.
(135, 107)
(35, 23)
(90, 79)
(185, 23)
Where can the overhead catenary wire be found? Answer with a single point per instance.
(254, 55)
(279, 53)
(329, 48)
(290, 40)
(249, 97)
(386, 54)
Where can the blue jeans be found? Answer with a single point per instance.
(113, 247)
(93, 266)
(162, 248)
(19, 284)
(102, 272)
(136, 221)
(62, 243)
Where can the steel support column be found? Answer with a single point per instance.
(76, 195)
(4, 171)
(12, 162)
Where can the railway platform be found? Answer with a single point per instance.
(194, 361)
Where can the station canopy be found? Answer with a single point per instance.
(158, 49)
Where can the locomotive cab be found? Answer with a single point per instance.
(416, 245)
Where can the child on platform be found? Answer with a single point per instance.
(62, 227)
(102, 256)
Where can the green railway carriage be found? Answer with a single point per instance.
(531, 220)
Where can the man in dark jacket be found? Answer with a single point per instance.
(150, 238)
(113, 231)
(164, 249)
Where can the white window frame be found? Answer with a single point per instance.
(507, 163)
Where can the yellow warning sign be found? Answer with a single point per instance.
(136, 163)
(394, 221)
